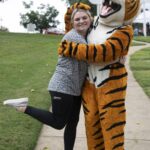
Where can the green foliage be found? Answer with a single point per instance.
(3, 29)
(27, 6)
(27, 62)
(140, 65)
(43, 17)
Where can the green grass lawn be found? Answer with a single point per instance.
(136, 44)
(142, 38)
(27, 62)
(140, 65)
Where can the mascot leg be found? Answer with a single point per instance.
(92, 120)
(111, 103)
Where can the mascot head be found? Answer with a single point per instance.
(118, 12)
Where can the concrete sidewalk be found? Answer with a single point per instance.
(137, 132)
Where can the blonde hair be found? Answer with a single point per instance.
(81, 10)
(68, 14)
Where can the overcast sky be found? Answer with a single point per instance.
(10, 10)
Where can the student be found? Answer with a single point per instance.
(65, 85)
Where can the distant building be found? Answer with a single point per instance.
(142, 23)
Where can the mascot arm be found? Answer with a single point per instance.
(115, 46)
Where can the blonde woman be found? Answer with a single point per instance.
(65, 85)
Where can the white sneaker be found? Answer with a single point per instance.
(21, 102)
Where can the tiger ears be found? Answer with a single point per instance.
(67, 18)
(132, 9)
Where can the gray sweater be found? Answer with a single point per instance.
(70, 74)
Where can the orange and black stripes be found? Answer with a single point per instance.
(117, 90)
(114, 130)
(119, 41)
(108, 111)
(104, 52)
(114, 47)
(113, 66)
(112, 78)
(116, 124)
(111, 104)
(117, 135)
(118, 145)
(132, 8)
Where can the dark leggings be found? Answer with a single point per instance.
(65, 112)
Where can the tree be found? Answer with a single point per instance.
(93, 7)
(4, 29)
(43, 17)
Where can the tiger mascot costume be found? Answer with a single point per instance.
(104, 90)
